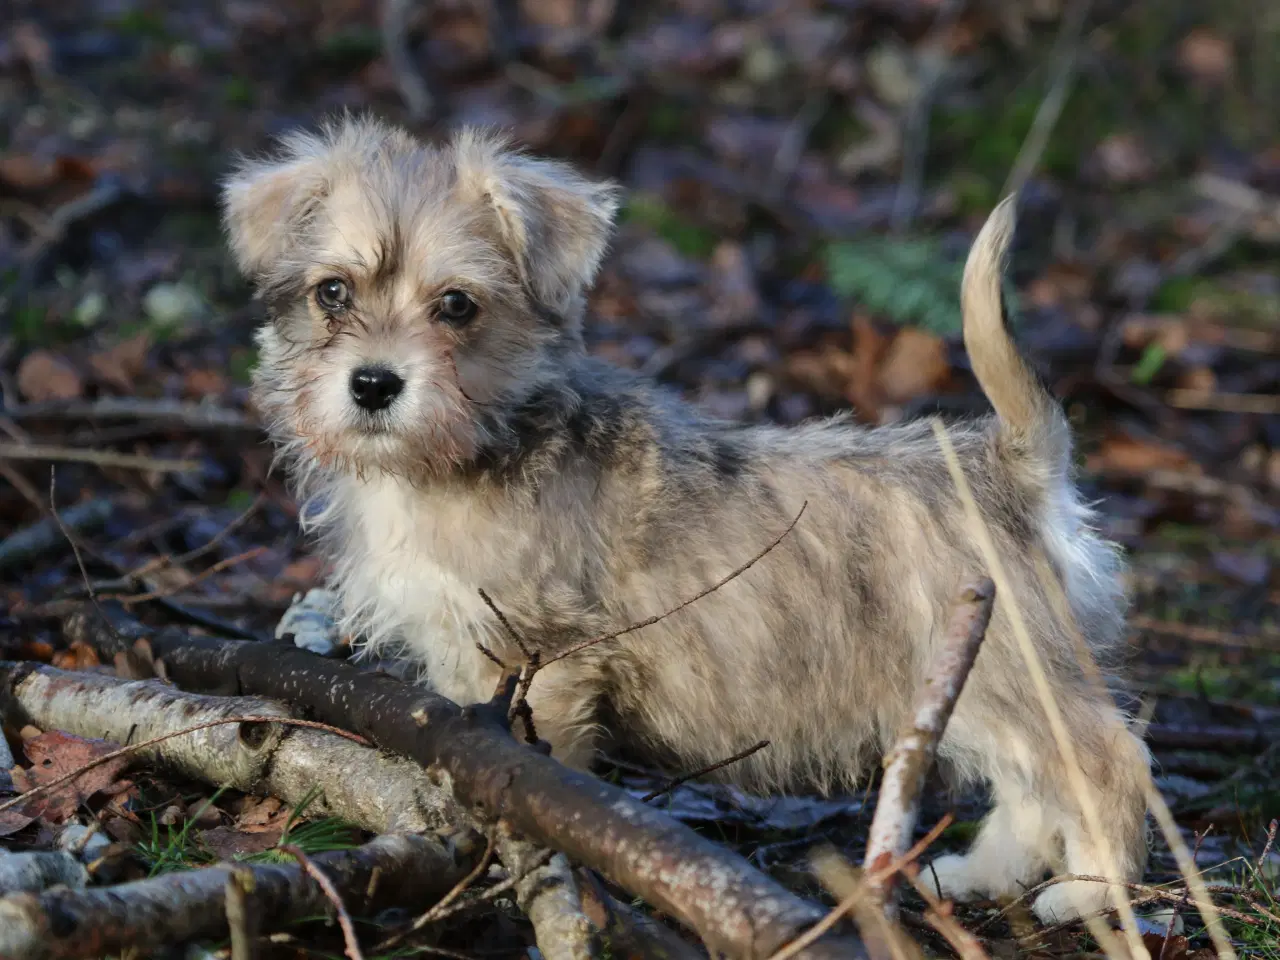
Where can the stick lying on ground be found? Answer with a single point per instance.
(911, 759)
(736, 909)
(176, 907)
(375, 791)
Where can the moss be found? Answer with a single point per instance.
(238, 92)
(689, 238)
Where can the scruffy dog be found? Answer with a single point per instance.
(424, 375)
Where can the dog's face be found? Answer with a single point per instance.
(414, 290)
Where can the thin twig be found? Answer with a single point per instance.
(331, 892)
(911, 759)
(98, 458)
(413, 88)
(1046, 118)
(442, 910)
(135, 747)
(718, 765)
(966, 945)
(1266, 851)
(506, 625)
(461, 886)
(915, 136)
(75, 550)
(1263, 404)
(168, 414)
(212, 543)
(877, 877)
(221, 565)
(650, 621)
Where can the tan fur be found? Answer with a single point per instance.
(583, 499)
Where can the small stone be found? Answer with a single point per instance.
(90, 309)
(172, 304)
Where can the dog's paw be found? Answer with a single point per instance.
(952, 878)
(310, 623)
(1070, 901)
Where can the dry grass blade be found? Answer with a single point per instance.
(1044, 693)
(325, 884)
(98, 458)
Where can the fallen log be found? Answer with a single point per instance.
(734, 908)
(62, 924)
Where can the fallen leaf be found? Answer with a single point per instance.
(826, 372)
(79, 656)
(120, 365)
(56, 754)
(869, 346)
(44, 376)
(266, 814)
(226, 843)
(1171, 948)
(1121, 453)
(915, 365)
(1207, 56)
(201, 384)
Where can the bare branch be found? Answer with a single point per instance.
(911, 759)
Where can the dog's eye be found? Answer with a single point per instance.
(457, 308)
(333, 295)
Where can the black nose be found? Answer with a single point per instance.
(375, 387)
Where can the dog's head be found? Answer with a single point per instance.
(413, 289)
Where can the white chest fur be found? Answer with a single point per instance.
(409, 565)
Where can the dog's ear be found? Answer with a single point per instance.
(555, 222)
(266, 201)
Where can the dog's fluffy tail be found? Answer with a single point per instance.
(1031, 421)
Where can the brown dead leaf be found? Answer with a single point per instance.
(914, 366)
(79, 656)
(201, 384)
(226, 843)
(826, 372)
(56, 754)
(44, 376)
(863, 391)
(1124, 454)
(264, 814)
(136, 664)
(120, 365)
(1207, 56)
(13, 820)
(35, 650)
(1060, 284)
(1170, 948)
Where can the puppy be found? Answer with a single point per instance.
(424, 376)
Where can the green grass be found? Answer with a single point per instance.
(169, 848)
